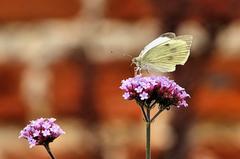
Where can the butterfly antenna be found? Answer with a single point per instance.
(111, 52)
(128, 55)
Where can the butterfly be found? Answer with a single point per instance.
(164, 53)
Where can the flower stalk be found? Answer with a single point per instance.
(49, 150)
(153, 91)
(149, 120)
(42, 131)
(148, 140)
(148, 136)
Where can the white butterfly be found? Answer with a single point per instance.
(164, 53)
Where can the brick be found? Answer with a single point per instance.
(130, 10)
(21, 10)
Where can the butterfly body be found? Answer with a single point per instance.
(164, 53)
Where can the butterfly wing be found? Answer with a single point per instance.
(160, 40)
(165, 56)
(170, 35)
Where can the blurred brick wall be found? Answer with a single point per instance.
(218, 95)
(18, 10)
(129, 10)
(12, 105)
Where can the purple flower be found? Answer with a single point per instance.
(139, 89)
(32, 142)
(46, 133)
(143, 96)
(36, 133)
(41, 131)
(126, 95)
(154, 89)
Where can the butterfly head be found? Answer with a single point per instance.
(136, 61)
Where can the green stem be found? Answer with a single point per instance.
(144, 114)
(148, 135)
(48, 150)
(155, 116)
(148, 139)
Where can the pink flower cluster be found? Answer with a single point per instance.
(154, 89)
(41, 131)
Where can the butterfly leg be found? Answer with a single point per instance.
(137, 71)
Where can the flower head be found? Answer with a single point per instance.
(41, 131)
(154, 89)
